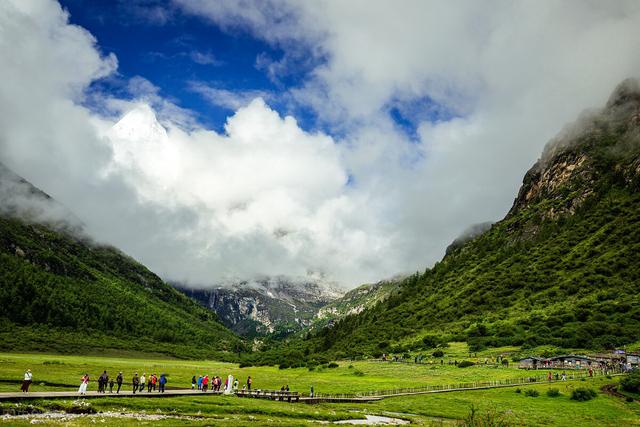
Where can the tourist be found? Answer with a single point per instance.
(564, 376)
(549, 376)
(226, 384)
(193, 382)
(28, 377)
(135, 382)
(311, 393)
(119, 381)
(111, 383)
(205, 383)
(104, 379)
(218, 383)
(143, 381)
(152, 383)
(235, 385)
(100, 383)
(200, 382)
(84, 383)
(162, 382)
(249, 382)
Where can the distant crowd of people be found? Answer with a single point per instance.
(202, 382)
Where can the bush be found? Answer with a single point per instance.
(465, 364)
(358, 373)
(553, 392)
(583, 394)
(332, 365)
(629, 399)
(631, 382)
(518, 390)
(531, 392)
(438, 353)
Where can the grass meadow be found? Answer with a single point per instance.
(495, 406)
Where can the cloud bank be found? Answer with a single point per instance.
(481, 88)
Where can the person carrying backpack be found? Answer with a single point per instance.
(135, 382)
(119, 381)
(163, 382)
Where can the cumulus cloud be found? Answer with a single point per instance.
(507, 75)
(266, 197)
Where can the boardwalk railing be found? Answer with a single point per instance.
(270, 394)
(459, 386)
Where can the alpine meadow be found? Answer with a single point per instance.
(283, 213)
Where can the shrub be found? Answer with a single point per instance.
(465, 364)
(518, 390)
(631, 382)
(332, 365)
(438, 353)
(531, 392)
(583, 394)
(629, 399)
(358, 373)
(553, 392)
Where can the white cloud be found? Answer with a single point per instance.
(230, 99)
(265, 196)
(515, 71)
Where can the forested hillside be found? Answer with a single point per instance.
(562, 268)
(61, 292)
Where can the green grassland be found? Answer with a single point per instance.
(61, 372)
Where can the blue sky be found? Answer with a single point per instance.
(175, 50)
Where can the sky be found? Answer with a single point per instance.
(345, 142)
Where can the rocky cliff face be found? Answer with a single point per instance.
(270, 306)
(599, 143)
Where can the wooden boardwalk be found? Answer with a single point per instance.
(285, 397)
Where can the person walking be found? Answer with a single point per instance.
(119, 379)
(84, 383)
(235, 385)
(143, 381)
(102, 382)
(135, 382)
(111, 383)
(311, 393)
(193, 382)
(162, 382)
(152, 383)
(249, 382)
(205, 383)
(200, 382)
(28, 378)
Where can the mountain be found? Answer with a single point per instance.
(354, 302)
(273, 306)
(59, 291)
(562, 268)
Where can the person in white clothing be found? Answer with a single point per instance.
(27, 381)
(84, 383)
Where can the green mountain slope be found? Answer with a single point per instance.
(562, 268)
(60, 292)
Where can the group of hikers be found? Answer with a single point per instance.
(138, 383)
(203, 381)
